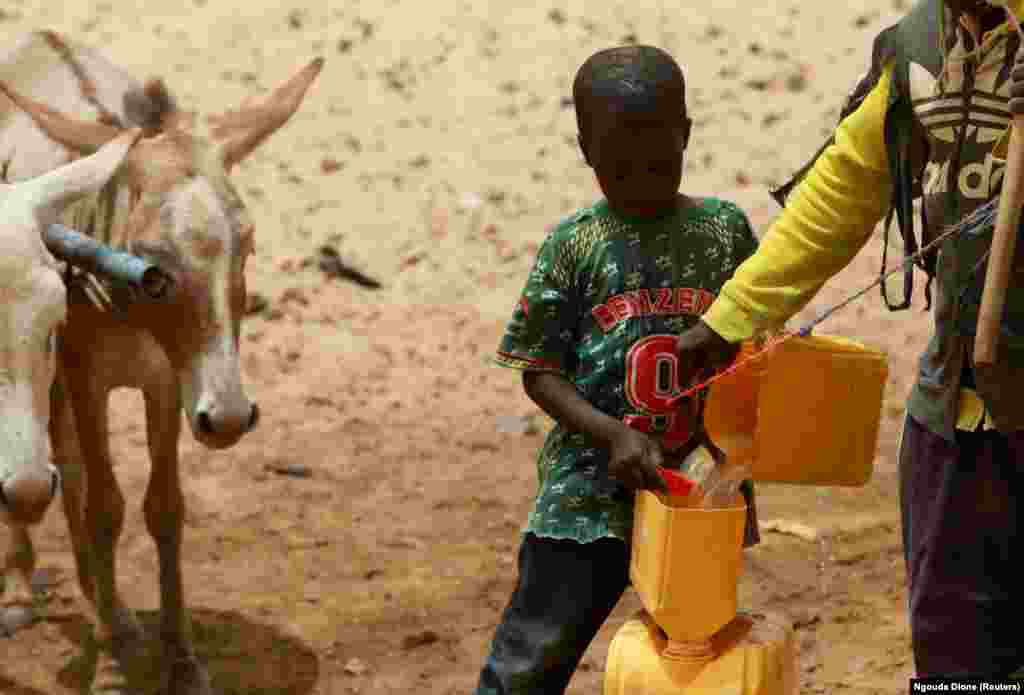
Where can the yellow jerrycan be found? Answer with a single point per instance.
(685, 565)
(754, 654)
(805, 413)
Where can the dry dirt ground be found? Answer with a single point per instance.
(363, 539)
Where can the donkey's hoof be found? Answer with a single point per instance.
(126, 629)
(188, 677)
(111, 678)
(129, 648)
(16, 617)
(114, 689)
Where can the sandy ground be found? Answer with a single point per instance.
(434, 150)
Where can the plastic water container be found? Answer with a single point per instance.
(754, 654)
(685, 565)
(806, 413)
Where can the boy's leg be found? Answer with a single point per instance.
(565, 592)
(961, 535)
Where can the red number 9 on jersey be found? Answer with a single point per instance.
(652, 378)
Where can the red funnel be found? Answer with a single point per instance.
(678, 484)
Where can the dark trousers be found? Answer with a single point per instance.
(565, 592)
(961, 512)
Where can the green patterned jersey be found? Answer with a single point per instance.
(602, 306)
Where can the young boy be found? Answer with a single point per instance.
(594, 334)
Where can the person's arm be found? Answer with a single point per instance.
(827, 220)
(539, 342)
(634, 457)
(558, 397)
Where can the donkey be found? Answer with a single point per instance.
(171, 202)
(33, 305)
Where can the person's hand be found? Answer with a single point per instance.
(701, 352)
(1017, 84)
(635, 458)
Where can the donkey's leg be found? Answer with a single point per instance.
(164, 509)
(104, 508)
(67, 456)
(17, 609)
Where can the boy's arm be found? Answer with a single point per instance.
(634, 457)
(540, 342)
(558, 397)
(828, 219)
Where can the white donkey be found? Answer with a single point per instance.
(33, 304)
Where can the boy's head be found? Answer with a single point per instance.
(990, 14)
(633, 127)
(974, 6)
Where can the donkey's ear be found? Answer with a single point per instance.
(240, 131)
(55, 189)
(83, 137)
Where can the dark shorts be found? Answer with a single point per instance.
(961, 513)
(565, 592)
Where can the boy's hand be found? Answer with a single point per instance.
(635, 459)
(701, 352)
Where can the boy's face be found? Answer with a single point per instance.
(638, 159)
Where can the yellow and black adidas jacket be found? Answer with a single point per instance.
(930, 121)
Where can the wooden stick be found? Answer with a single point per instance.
(1004, 244)
(93, 299)
(1004, 238)
(81, 279)
(100, 291)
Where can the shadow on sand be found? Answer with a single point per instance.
(242, 657)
